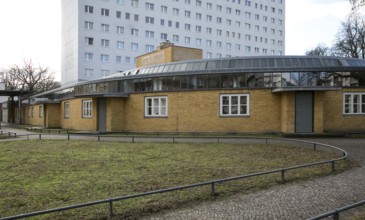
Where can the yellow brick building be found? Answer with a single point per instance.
(277, 94)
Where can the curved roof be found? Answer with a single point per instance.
(258, 64)
(248, 64)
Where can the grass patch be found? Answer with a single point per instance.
(38, 175)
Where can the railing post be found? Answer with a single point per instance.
(132, 139)
(266, 140)
(212, 188)
(27, 136)
(40, 137)
(314, 146)
(336, 216)
(333, 166)
(282, 175)
(68, 136)
(173, 139)
(99, 138)
(218, 140)
(110, 208)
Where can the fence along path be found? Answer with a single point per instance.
(178, 139)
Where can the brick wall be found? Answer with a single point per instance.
(76, 121)
(334, 120)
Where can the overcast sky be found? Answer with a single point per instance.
(31, 29)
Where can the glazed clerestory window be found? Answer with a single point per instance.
(234, 105)
(156, 107)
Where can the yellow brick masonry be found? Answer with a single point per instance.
(198, 111)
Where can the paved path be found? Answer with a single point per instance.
(298, 200)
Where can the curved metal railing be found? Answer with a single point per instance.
(174, 139)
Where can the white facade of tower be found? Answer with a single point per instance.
(102, 37)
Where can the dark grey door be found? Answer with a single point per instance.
(304, 112)
(102, 114)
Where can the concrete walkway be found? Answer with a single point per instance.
(298, 200)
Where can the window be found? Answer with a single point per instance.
(175, 38)
(89, 9)
(136, 17)
(234, 105)
(127, 60)
(155, 107)
(150, 6)
(187, 40)
(89, 72)
(104, 27)
(118, 59)
(104, 43)
(104, 12)
(89, 41)
(89, 25)
(150, 20)
(119, 14)
(104, 58)
(187, 14)
(163, 9)
(87, 108)
(219, 44)
(104, 73)
(163, 36)
(149, 48)
(198, 41)
(88, 56)
(198, 29)
(209, 30)
(209, 43)
(198, 16)
(40, 111)
(162, 22)
(134, 46)
(187, 27)
(120, 30)
(134, 32)
(198, 3)
(66, 109)
(175, 11)
(353, 103)
(209, 18)
(120, 44)
(120, 2)
(135, 3)
(219, 8)
(150, 34)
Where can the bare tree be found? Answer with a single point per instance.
(29, 78)
(357, 4)
(320, 50)
(350, 40)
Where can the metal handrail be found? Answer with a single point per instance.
(336, 213)
(212, 183)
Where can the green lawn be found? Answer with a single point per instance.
(38, 175)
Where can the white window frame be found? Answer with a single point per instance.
(66, 110)
(154, 106)
(349, 105)
(227, 104)
(87, 107)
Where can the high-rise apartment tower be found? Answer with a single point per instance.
(101, 37)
